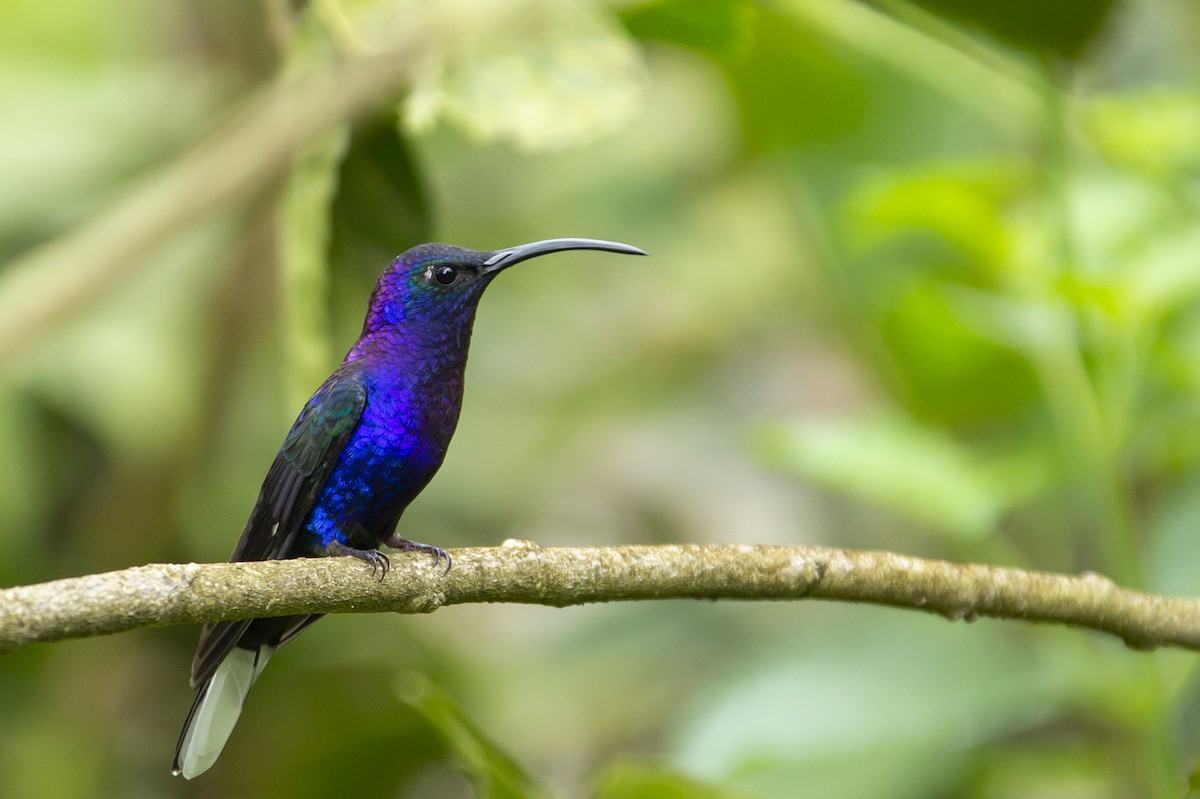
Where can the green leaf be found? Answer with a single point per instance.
(626, 780)
(792, 88)
(380, 210)
(1164, 277)
(962, 205)
(494, 773)
(1058, 27)
(961, 354)
(716, 26)
(1154, 131)
(891, 461)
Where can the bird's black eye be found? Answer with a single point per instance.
(445, 274)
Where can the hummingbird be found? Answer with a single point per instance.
(364, 446)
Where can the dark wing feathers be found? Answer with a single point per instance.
(329, 417)
(292, 485)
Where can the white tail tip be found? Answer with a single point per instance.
(217, 710)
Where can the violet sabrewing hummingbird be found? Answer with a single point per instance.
(366, 443)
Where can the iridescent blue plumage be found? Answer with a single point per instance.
(366, 443)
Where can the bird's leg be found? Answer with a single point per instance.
(396, 541)
(378, 561)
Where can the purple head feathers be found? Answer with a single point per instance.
(444, 282)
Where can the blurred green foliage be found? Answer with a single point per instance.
(925, 277)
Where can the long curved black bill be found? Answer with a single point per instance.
(502, 259)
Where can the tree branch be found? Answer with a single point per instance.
(522, 572)
(47, 284)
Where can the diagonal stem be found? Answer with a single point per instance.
(46, 285)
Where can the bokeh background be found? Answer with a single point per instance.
(924, 277)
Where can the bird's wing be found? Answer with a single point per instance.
(291, 487)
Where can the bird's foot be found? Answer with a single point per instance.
(377, 560)
(395, 541)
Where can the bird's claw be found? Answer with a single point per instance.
(405, 545)
(378, 561)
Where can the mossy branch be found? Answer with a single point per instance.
(522, 572)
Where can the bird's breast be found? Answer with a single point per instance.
(394, 452)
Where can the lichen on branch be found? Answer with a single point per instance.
(522, 572)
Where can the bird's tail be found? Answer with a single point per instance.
(218, 704)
